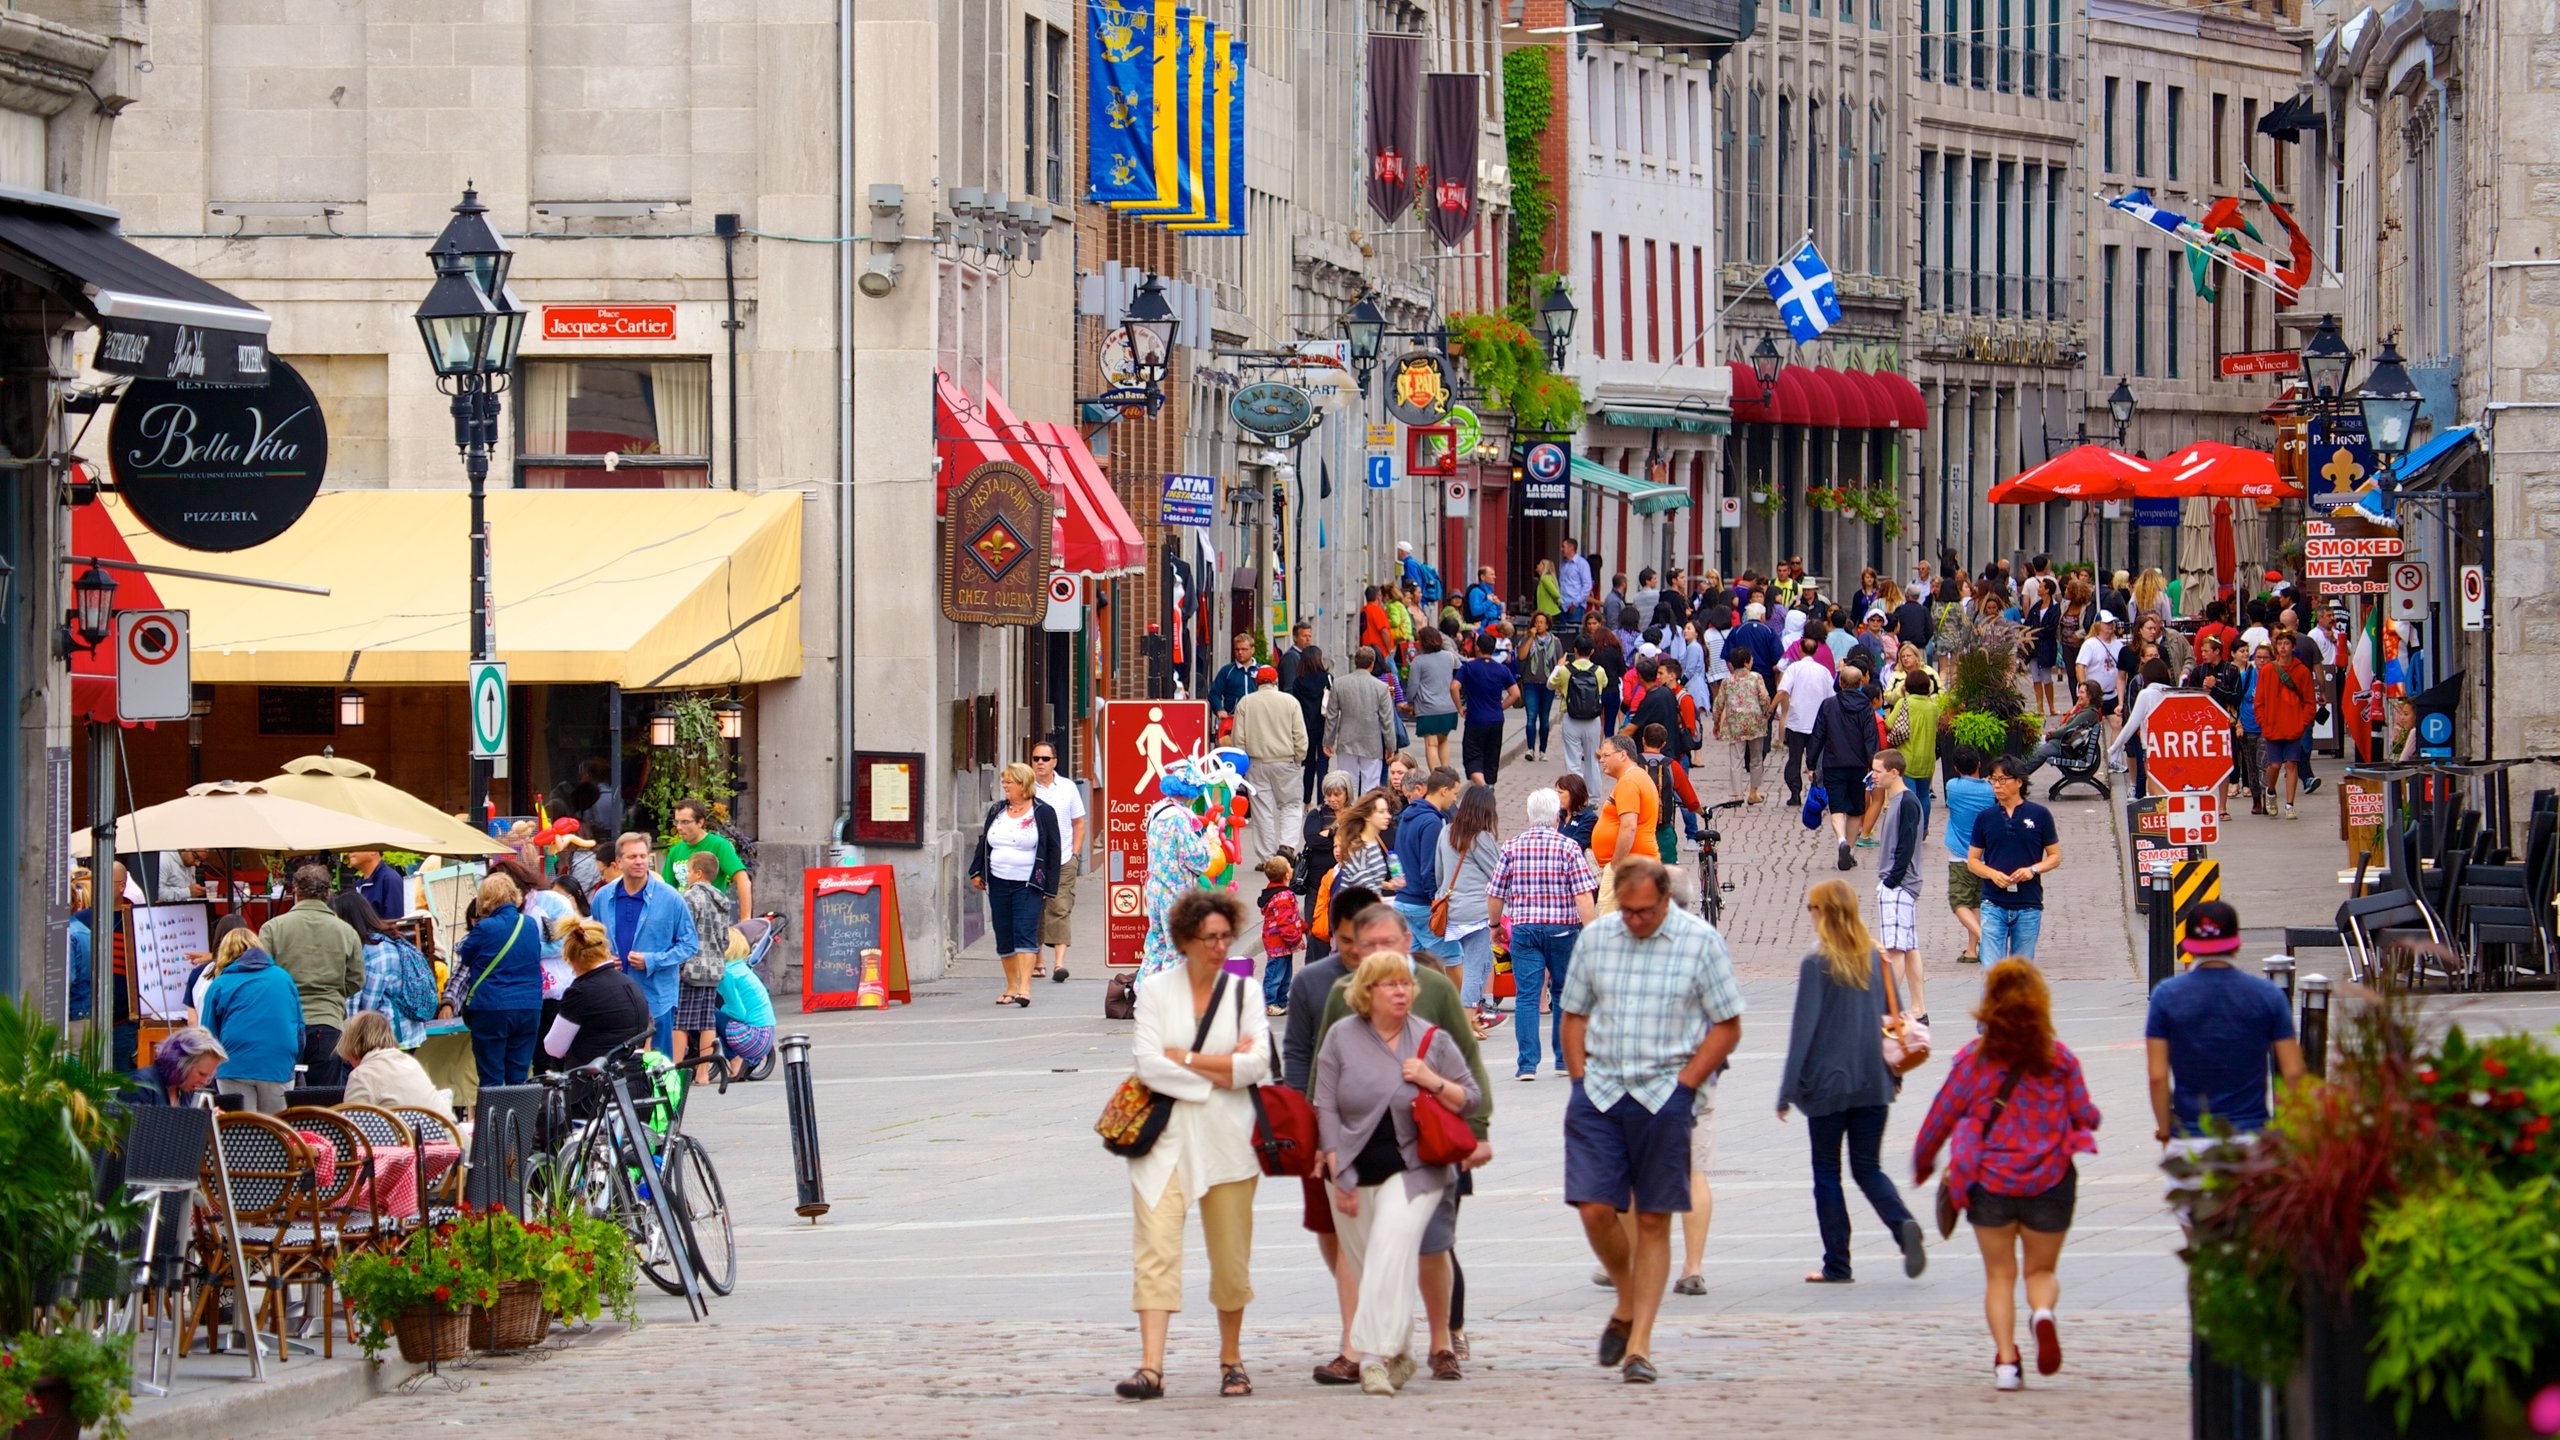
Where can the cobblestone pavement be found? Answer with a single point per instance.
(973, 1278)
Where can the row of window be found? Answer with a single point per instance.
(1980, 223)
(1649, 114)
(2007, 59)
(2137, 159)
(2125, 334)
(1847, 10)
(1820, 182)
(1629, 284)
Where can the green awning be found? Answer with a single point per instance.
(1666, 420)
(1647, 498)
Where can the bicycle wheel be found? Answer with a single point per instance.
(661, 1257)
(693, 1188)
(1710, 892)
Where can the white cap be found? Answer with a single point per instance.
(1404, 547)
(1647, 648)
(1876, 612)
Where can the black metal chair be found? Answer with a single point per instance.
(2374, 924)
(163, 1159)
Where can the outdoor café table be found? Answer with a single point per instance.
(395, 1172)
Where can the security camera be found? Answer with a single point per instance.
(879, 276)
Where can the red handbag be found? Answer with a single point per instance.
(1440, 1137)
(1284, 1121)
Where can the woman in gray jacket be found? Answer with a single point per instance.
(1835, 1074)
(1469, 845)
(1383, 1196)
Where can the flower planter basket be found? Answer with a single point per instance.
(514, 1322)
(52, 1420)
(428, 1337)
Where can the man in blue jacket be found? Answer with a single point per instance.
(1754, 635)
(1418, 856)
(651, 930)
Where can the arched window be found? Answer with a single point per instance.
(1782, 162)
(1753, 159)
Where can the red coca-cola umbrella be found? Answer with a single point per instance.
(2207, 468)
(2084, 472)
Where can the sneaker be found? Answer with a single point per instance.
(1525, 1076)
(1915, 1249)
(1689, 1285)
(1847, 861)
(1866, 842)
(2048, 1343)
(1399, 1370)
(2311, 786)
(2004, 1376)
(1374, 1381)
(2291, 814)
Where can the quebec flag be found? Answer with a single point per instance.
(1807, 299)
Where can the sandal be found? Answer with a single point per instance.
(1143, 1384)
(1232, 1381)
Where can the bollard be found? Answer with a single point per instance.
(804, 1126)
(2279, 970)
(2163, 930)
(2315, 1025)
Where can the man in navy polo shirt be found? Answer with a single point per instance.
(2014, 847)
(2212, 1033)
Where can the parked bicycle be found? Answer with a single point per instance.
(1711, 887)
(611, 1142)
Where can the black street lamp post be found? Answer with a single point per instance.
(472, 324)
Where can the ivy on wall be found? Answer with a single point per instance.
(1528, 104)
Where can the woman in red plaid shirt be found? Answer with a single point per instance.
(2017, 1110)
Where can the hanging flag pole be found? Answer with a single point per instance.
(2229, 253)
(1682, 356)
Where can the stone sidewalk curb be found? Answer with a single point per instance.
(298, 1395)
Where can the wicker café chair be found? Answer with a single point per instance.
(443, 1199)
(286, 1238)
(387, 1133)
(354, 1198)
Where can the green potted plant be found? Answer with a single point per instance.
(421, 1293)
(58, 1109)
(501, 1246)
(587, 1269)
(2390, 1235)
(1984, 708)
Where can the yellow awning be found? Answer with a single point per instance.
(647, 589)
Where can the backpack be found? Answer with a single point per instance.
(1320, 924)
(1582, 691)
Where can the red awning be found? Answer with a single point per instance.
(963, 439)
(1820, 407)
(1088, 542)
(1909, 408)
(93, 672)
(1101, 536)
(1793, 402)
(1846, 398)
(1882, 412)
(1750, 400)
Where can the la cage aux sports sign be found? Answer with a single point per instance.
(608, 322)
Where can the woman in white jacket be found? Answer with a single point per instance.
(1199, 1042)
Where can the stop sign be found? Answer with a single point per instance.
(2186, 741)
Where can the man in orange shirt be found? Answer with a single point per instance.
(1626, 823)
(1374, 629)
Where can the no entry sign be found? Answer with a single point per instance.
(2186, 741)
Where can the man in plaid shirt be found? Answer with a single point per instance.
(1544, 884)
(1651, 1011)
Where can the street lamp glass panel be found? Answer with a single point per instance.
(350, 707)
(484, 252)
(455, 321)
(2120, 404)
(733, 719)
(1366, 328)
(1558, 313)
(1152, 328)
(1765, 362)
(2389, 399)
(2325, 360)
(662, 727)
(94, 594)
(506, 334)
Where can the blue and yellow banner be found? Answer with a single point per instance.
(1222, 145)
(1174, 66)
(1126, 110)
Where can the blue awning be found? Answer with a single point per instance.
(2440, 454)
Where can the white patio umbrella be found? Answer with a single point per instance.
(231, 815)
(351, 787)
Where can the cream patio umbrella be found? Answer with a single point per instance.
(350, 788)
(231, 815)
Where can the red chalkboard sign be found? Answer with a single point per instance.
(853, 949)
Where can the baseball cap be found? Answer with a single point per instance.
(1646, 649)
(2213, 928)
(1266, 675)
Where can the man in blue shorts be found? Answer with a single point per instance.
(1650, 1011)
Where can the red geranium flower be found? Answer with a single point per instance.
(2496, 1067)
(443, 1293)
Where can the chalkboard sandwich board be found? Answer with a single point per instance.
(853, 949)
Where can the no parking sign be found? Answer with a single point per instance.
(153, 668)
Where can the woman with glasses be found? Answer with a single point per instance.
(1201, 1044)
(1065, 799)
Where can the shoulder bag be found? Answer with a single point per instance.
(1120, 995)
(1947, 1204)
(1897, 732)
(1133, 1119)
(1440, 1136)
(1284, 1119)
(492, 967)
(1448, 887)
(1906, 1039)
